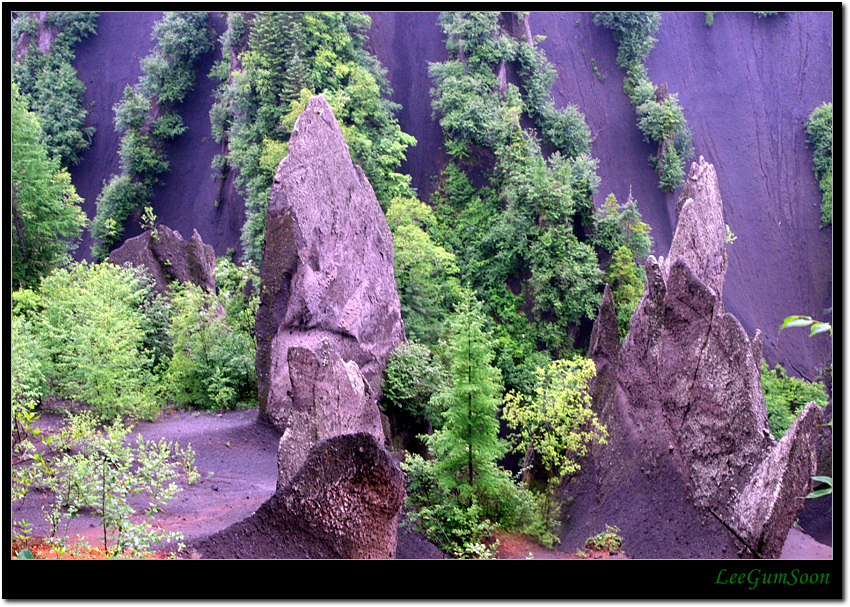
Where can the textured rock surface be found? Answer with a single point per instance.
(327, 270)
(329, 397)
(343, 503)
(690, 468)
(169, 257)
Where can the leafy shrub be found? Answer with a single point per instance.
(46, 218)
(92, 328)
(413, 376)
(785, 397)
(213, 362)
(627, 286)
(819, 128)
(168, 126)
(119, 196)
(96, 469)
(633, 32)
(607, 540)
(28, 380)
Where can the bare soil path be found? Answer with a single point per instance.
(236, 456)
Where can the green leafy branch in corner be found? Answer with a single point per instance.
(817, 327)
(805, 321)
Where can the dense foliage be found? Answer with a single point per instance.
(785, 397)
(46, 218)
(660, 116)
(517, 241)
(819, 129)
(147, 115)
(102, 335)
(555, 426)
(47, 78)
(272, 63)
(460, 493)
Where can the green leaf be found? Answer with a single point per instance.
(820, 327)
(26, 554)
(796, 321)
(819, 493)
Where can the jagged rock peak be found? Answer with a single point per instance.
(689, 453)
(700, 236)
(327, 269)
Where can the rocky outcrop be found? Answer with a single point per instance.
(169, 257)
(344, 502)
(327, 281)
(691, 468)
(329, 397)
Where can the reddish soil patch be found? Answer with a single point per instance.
(520, 546)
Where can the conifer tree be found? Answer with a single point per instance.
(467, 447)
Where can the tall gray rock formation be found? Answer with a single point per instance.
(168, 257)
(691, 468)
(329, 312)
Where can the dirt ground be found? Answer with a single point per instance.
(235, 455)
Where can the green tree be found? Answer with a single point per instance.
(459, 495)
(627, 286)
(426, 274)
(468, 446)
(556, 424)
(94, 332)
(819, 129)
(46, 217)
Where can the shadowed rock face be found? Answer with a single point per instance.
(689, 454)
(329, 397)
(168, 257)
(327, 272)
(343, 503)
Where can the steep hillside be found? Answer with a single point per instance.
(106, 64)
(746, 86)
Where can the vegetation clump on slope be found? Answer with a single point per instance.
(272, 63)
(48, 80)
(819, 129)
(148, 117)
(660, 116)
